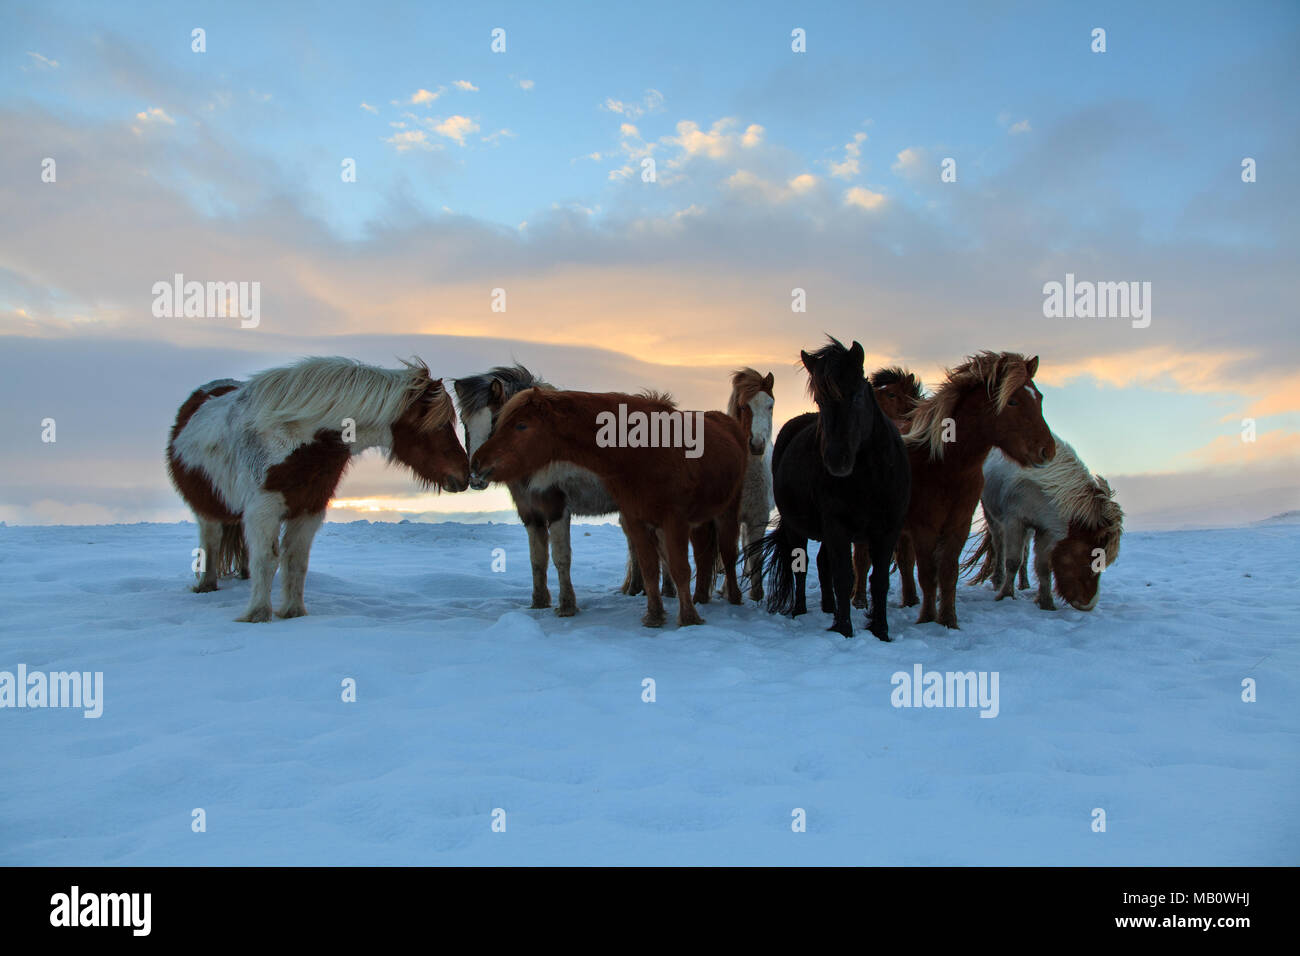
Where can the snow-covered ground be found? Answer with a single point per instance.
(468, 702)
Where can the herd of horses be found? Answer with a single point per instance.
(880, 474)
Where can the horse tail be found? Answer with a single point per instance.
(232, 553)
(773, 555)
(982, 555)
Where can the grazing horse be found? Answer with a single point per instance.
(685, 473)
(545, 500)
(987, 402)
(840, 475)
(248, 457)
(898, 392)
(1076, 522)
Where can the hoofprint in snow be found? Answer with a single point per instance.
(467, 703)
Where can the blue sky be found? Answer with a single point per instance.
(775, 169)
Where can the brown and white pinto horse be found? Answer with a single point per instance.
(657, 489)
(898, 392)
(248, 457)
(987, 402)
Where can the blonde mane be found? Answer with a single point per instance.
(745, 384)
(1079, 496)
(1001, 374)
(321, 392)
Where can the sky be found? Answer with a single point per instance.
(774, 170)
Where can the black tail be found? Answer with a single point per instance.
(774, 552)
(232, 553)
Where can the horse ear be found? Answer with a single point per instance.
(498, 390)
(806, 359)
(856, 353)
(769, 381)
(1032, 366)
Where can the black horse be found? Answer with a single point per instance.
(840, 475)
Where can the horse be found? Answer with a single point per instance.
(1075, 519)
(248, 457)
(751, 405)
(685, 474)
(898, 392)
(546, 500)
(989, 401)
(840, 475)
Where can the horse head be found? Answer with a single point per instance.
(897, 392)
(1088, 549)
(846, 408)
(1015, 416)
(424, 435)
(522, 441)
(751, 404)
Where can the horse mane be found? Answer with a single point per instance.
(897, 375)
(475, 391)
(1001, 374)
(1080, 497)
(823, 384)
(321, 392)
(745, 384)
(663, 398)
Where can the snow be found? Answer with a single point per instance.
(468, 702)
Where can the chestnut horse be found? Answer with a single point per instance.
(987, 402)
(839, 476)
(1075, 520)
(898, 392)
(249, 457)
(658, 486)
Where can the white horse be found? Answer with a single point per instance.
(249, 457)
(1076, 525)
(751, 403)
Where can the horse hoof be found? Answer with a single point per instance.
(1047, 605)
(845, 629)
(756, 594)
(950, 623)
(1005, 594)
(566, 610)
(289, 612)
(702, 599)
(735, 598)
(205, 587)
(910, 602)
(259, 616)
(690, 621)
(540, 602)
(652, 620)
(859, 602)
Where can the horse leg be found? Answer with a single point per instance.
(632, 584)
(562, 557)
(860, 574)
(1024, 565)
(1013, 547)
(1043, 569)
(262, 531)
(753, 566)
(210, 542)
(995, 553)
(666, 587)
(877, 618)
(728, 525)
(906, 555)
(800, 577)
(949, 570)
(642, 540)
(840, 560)
(706, 553)
(295, 549)
(537, 557)
(928, 576)
(825, 578)
(676, 538)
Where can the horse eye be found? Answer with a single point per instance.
(1013, 402)
(521, 427)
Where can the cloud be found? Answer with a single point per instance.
(1020, 127)
(465, 85)
(496, 137)
(43, 62)
(423, 97)
(409, 139)
(526, 84)
(368, 108)
(863, 198)
(651, 102)
(456, 128)
(910, 163)
(849, 167)
(154, 114)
